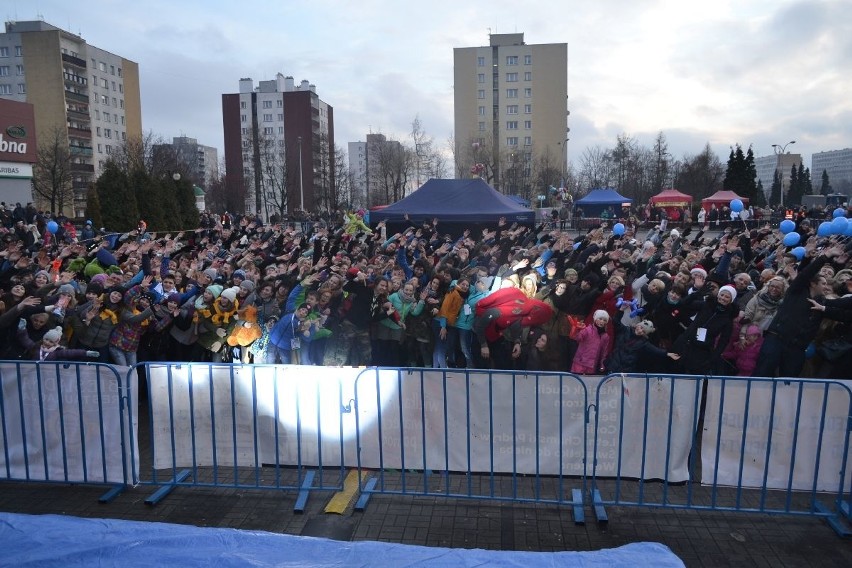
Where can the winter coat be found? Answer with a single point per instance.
(629, 347)
(592, 351)
(702, 344)
(743, 358)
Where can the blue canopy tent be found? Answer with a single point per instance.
(519, 200)
(599, 200)
(455, 203)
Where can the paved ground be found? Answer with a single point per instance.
(699, 539)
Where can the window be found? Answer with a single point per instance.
(97, 114)
(94, 80)
(511, 77)
(527, 109)
(18, 51)
(4, 70)
(480, 78)
(115, 102)
(267, 117)
(121, 103)
(4, 52)
(112, 69)
(123, 136)
(22, 88)
(527, 140)
(480, 62)
(512, 125)
(107, 133)
(107, 117)
(511, 60)
(242, 105)
(122, 121)
(109, 149)
(19, 69)
(102, 66)
(480, 94)
(242, 118)
(280, 117)
(98, 130)
(267, 104)
(119, 71)
(100, 148)
(104, 84)
(113, 86)
(245, 143)
(245, 131)
(527, 93)
(512, 109)
(527, 59)
(527, 75)
(120, 88)
(512, 141)
(482, 111)
(280, 103)
(482, 127)
(104, 100)
(528, 124)
(280, 130)
(511, 93)
(267, 130)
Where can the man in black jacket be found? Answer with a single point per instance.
(795, 324)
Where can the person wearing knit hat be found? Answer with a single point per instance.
(230, 294)
(241, 274)
(247, 285)
(633, 346)
(702, 344)
(209, 276)
(730, 290)
(48, 349)
(215, 290)
(216, 321)
(95, 289)
(698, 270)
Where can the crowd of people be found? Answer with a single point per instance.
(681, 300)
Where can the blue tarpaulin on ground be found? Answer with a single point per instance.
(55, 540)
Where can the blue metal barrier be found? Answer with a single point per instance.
(64, 422)
(753, 445)
(242, 426)
(478, 434)
(741, 444)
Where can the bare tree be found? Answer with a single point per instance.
(52, 172)
(344, 181)
(269, 175)
(390, 169)
(595, 169)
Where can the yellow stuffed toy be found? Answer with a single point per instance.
(247, 330)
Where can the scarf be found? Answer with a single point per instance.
(136, 313)
(766, 302)
(406, 298)
(43, 352)
(222, 316)
(107, 313)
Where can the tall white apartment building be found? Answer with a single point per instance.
(510, 109)
(766, 166)
(88, 95)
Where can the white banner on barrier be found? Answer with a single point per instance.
(742, 438)
(53, 438)
(452, 421)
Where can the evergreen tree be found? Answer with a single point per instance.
(117, 199)
(805, 181)
(775, 190)
(741, 173)
(825, 187)
(759, 199)
(795, 191)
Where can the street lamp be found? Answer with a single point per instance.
(779, 151)
(176, 176)
(301, 178)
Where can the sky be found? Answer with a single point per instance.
(754, 73)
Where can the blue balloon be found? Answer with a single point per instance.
(848, 231)
(52, 227)
(792, 239)
(618, 229)
(824, 229)
(736, 205)
(839, 212)
(838, 226)
(798, 252)
(787, 226)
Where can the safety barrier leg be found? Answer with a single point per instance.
(364, 499)
(302, 499)
(162, 492)
(578, 513)
(112, 493)
(841, 527)
(600, 511)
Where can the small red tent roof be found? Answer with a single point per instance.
(671, 198)
(722, 198)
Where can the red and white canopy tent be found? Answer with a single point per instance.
(670, 199)
(721, 199)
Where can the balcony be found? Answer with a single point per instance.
(76, 61)
(82, 168)
(75, 79)
(81, 150)
(80, 185)
(84, 133)
(78, 115)
(79, 97)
